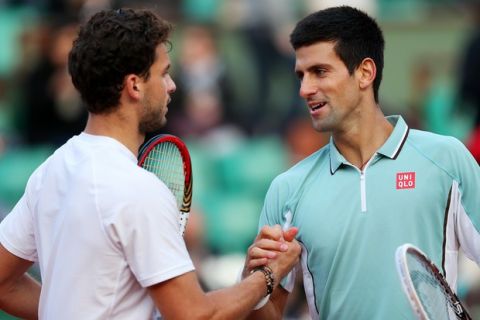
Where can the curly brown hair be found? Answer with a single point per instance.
(111, 45)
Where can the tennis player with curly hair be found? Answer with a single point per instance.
(103, 230)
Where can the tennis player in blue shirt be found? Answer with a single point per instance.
(376, 185)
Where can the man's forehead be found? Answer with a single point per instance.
(315, 52)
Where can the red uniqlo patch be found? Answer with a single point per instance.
(406, 180)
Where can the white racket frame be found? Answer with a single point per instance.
(406, 280)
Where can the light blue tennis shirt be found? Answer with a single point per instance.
(418, 187)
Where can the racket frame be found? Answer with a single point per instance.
(187, 166)
(409, 288)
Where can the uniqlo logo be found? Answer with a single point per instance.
(406, 180)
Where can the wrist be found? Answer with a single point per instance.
(269, 278)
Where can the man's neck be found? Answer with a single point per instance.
(363, 138)
(117, 127)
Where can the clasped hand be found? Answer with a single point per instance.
(275, 248)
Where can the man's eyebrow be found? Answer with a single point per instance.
(318, 66)
(314, 66)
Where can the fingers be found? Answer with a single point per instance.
(276, 233)
(269, 244)
(290, 234)
(252, 264)
(271, 232)
(285, 261)
(266, 248)
(296, 247)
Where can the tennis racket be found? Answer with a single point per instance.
(168, 158)
(427, 290)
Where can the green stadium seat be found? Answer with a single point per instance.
(231, 222)
(16, 166)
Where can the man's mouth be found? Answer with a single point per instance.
(316, 106)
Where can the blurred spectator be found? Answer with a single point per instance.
(469, 94)
(60, 7)
(167, 9)
(302, 140)
(53, 110)
(200, 108)
(204, 11)
(368, 6)
(421, 82)
(265, 26)
(6, 116)
(469, 83)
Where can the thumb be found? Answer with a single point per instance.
(290, 234)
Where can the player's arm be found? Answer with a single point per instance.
(19, 293)
(274, 308)
(182, 297)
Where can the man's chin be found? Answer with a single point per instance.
(146, 128)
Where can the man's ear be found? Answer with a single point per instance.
(366, 73)
(133, 86)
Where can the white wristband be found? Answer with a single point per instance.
(262, 302)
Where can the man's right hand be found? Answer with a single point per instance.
(273, 247)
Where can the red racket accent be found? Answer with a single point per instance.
(163, 155)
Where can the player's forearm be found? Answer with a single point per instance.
(21, 298)
(274, 308)
(236, 302)
(269, 311)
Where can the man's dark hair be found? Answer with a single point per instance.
(356, 36)
(111, 45)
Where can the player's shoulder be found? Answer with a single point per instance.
(125, 179)
(435, 144)
(136, 190)
(146, 182)
(444, 151)
(430, 138)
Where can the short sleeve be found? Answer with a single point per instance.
(17, 231)
(147, 231)
(273, 207)
(272, 214)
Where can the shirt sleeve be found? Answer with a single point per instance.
(148, 234)
(17, 231)
(272, 214)
(467, 203)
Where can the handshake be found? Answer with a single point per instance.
(275, 252)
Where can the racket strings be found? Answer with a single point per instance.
(434, 297)
(167, 157)
(166, 162)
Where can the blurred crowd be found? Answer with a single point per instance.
(236, 103)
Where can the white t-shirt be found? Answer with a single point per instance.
(101, 228)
